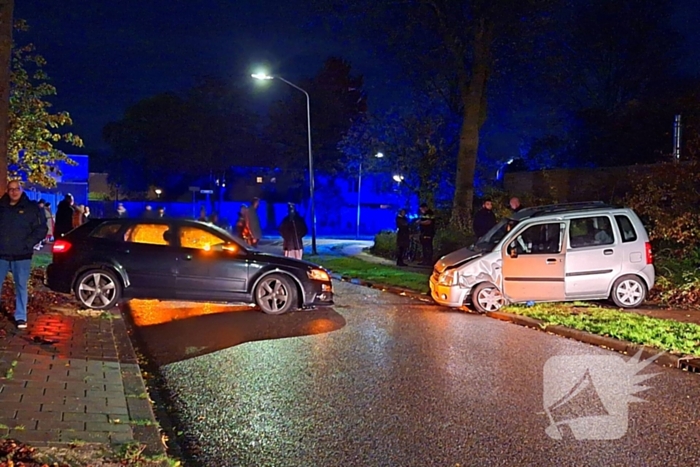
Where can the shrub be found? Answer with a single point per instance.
(677, 280)
(667, 200)
(446, 241)
(384, 244)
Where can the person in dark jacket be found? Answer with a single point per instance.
(484, 219)
(403, 237)
(427, 233)
(515, 205)
(64, 217)
(22, 225)
(293, 229)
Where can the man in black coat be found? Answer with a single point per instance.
(484, 219)
(22, 225)
(64, 217)
(426, 221)
(403, 237)
(293, 229)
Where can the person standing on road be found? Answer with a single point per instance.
(427, 233)
(403, 237)
(49, 222)
(293, 229)
(254, 222)
(64, 217)
(22, 225)
(484, 219)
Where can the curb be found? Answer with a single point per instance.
(663, 358)
(687, 363)
(424, 297)
(140, 409)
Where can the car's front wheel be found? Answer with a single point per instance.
(487, 297)
(629, 292)
(275, 294)
(98, 289)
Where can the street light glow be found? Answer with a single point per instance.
(398, 178)
(261, 76)
(379, 155)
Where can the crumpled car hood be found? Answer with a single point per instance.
(455, 259)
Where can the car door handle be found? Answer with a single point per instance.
(608, 252)
(551, 260)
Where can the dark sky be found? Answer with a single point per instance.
(106, 55)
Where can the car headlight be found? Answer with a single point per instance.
(448, 278)
(318, 275)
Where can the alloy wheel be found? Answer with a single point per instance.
(96, 290)
(273, 295)
(630, 292)
(490, 299)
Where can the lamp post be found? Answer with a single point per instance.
(263, 76)
(379, 155)
(158, 192)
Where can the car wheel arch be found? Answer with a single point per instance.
(638, 276)
(119, 272)
(297, 282)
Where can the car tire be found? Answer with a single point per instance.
(276, 294)
(98, 289)
(628, 292)
(487, 297)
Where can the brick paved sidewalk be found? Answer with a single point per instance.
(73, 378)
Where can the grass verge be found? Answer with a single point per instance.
(41, 260)
(671, 336)
(372, 272)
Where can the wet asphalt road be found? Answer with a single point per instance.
(382, 380)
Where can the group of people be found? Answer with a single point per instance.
(483, 221)
(23, 225)
(485, 218)
(293, 228)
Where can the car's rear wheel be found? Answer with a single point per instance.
(487, 297)
(276, 294)
(98, 289)
(628, 292)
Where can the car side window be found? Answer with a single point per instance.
(194, 237)
(107, 231)
(151, 234)
(539, 240)
(626, 229)
(591, 231)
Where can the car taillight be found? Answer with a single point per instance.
(650, 255)
(60, 246)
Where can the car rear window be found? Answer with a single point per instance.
(107, 230)
(626, 229)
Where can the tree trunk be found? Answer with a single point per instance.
(473, 91)
(6, 24)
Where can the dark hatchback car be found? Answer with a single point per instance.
(105, 260)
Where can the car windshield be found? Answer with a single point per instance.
(493, 237)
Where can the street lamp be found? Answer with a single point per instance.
(264, 76)
(378, 155)
(398, 178)
(158, 192)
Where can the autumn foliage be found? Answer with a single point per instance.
(34, 129)
(667, 200)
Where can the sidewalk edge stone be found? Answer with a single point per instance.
(131, 372)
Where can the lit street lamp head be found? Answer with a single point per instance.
(262, 76)
(379, 155)
(398, 178)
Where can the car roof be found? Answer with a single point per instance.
(564, 209)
